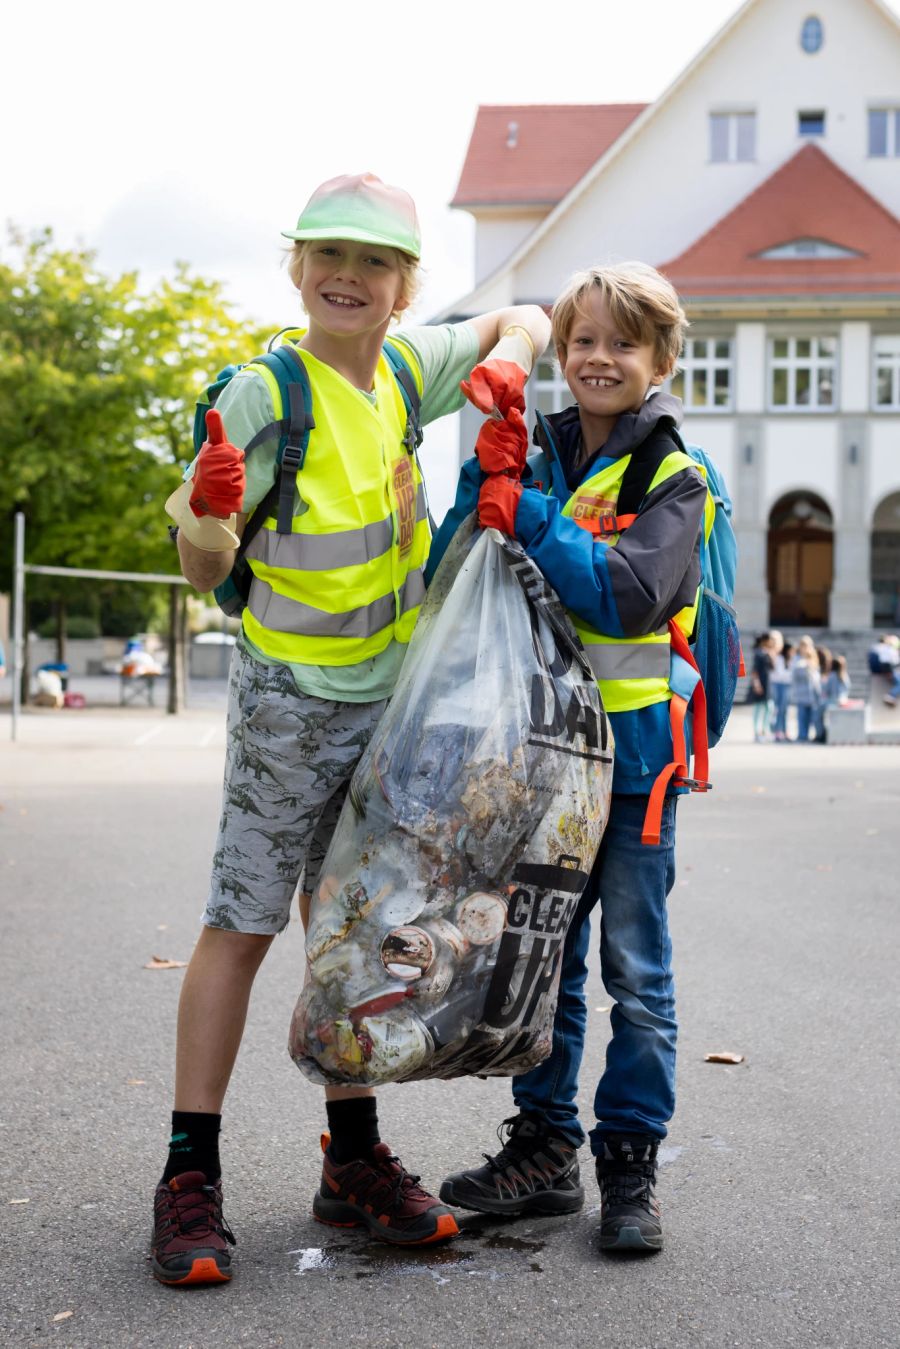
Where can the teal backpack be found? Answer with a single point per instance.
(292, 428)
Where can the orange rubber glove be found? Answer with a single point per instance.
(496, 384)
(498, 501)
(219, 478)
(502, 445)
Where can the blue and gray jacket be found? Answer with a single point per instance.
(626, 590)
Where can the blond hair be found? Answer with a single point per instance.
(410, 272)
(641, 302)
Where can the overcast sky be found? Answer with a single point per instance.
(196, 130)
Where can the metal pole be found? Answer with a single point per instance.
(18, 619)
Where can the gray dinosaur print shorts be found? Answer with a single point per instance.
(289, 760)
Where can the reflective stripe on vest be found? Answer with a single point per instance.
(280, 612)
(629, 660)
(325, 552)
(631, 672)
(347, 580)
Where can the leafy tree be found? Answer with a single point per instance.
(98, 381)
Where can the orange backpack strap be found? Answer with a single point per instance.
(676, 772)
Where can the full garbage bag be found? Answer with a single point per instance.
(436, 930)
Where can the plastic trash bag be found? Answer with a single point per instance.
(470, 827)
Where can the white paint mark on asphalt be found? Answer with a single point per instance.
(148, 735)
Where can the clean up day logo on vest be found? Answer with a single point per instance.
(405, 496)
(590, 510)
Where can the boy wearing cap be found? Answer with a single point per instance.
(331, 608)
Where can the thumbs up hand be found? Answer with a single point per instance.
(219, 477)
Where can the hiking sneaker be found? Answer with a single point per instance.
(535, 1171)
(629, 1212)
(382, 1196)
(190, 1236)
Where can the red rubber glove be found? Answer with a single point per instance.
(496, 384)
(502, 445)
(498, 501)
(219, 477)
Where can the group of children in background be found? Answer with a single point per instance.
(805, 676)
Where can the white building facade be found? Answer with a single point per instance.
(766, 183)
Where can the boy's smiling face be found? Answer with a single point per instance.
(608, 372)
(350, 289)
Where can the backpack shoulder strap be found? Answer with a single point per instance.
(642, 469)
(294, 427)
(410, 394)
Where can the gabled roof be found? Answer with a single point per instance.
(472, 302)
(808, 197)
(532, 154)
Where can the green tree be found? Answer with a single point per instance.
(98, 381)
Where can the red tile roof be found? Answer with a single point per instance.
(554, 146)
(808, 197)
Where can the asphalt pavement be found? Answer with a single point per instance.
(779, 1179)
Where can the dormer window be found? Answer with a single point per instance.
(807, 248)
(811, 123)
(812, 35)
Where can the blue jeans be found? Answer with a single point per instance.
(636, 1093)
(805, 720)
(780, 692)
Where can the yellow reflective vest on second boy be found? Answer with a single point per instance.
(348, 579)
(632, 672)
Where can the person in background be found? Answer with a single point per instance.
(760, 694)
(780, 683)
(884, 655)
(836, 687)
(825, 662)
(806, 686)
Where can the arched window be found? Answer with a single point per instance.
(812, 35)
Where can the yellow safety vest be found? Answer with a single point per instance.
(631, 672)
(348, 579)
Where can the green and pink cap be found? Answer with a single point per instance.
(362, 208)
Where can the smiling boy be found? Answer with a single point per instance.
(331, 609)
(623, 569)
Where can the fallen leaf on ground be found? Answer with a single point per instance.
(162, 927)
(757, 790)
(160, 963)
(136, 1082)
(724, 1057)
(62, 1316)
(824, 866)
(20, 1201)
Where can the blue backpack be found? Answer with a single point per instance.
(715, 644)
(294, 420)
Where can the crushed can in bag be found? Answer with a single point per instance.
(470, 827)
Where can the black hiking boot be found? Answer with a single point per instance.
(534, 1172)
(629, 1211)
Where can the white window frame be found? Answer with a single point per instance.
(792, 363)
(556, 386)
(891, 361)
(732, 116)
(689, 363)
(892, 113)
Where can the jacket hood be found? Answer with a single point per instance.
(659, 412)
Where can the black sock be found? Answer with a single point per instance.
(194, 1145)
(353, 1125)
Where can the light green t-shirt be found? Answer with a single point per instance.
(445, 354)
